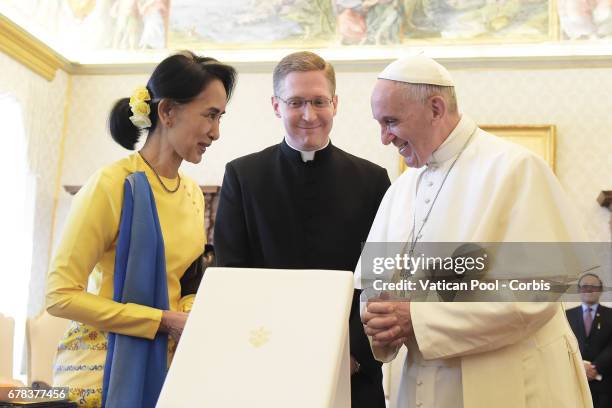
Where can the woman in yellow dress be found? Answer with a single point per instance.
(179, 110)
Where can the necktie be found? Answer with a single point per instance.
(588, 320)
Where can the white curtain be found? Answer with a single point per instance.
(16, 220)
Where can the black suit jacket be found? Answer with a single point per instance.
(275, 211)
(597, 347)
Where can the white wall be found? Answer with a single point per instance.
(576, 100)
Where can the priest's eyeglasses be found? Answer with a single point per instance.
(319, 102)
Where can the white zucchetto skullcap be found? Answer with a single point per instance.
(417, 69)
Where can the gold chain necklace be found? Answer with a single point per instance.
(159, 178)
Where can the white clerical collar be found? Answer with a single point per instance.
(454, 142)
(307, 155)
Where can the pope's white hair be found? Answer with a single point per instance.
(422, 92)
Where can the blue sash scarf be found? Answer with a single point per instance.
(136, 367)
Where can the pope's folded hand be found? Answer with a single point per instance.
(388, 323)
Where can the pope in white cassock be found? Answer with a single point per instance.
(466, 185)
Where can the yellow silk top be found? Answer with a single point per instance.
(88, 246)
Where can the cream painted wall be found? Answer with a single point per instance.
(42, 103)
(576, 100)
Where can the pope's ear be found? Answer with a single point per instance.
(438, 107)
(275, 106)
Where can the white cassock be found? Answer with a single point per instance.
(495, 354)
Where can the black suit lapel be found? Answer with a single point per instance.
(579, 325)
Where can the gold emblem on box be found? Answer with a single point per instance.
(259, 337)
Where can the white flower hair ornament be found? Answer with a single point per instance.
(140, 108)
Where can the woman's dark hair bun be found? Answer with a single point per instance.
(121, 127)
(181, 78)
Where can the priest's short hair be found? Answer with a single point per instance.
(302, 61)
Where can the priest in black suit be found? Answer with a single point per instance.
(592, 325)
(304, 203)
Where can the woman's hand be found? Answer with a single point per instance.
(173, 323)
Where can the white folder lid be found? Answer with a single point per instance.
(262, 338)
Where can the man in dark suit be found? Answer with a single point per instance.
(592, 325)
(304, 203)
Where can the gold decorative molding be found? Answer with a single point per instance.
(355, 62)
(29, 51)
(540, 139)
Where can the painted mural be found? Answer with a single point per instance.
(231, 24)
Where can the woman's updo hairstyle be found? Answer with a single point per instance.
(180, 77)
